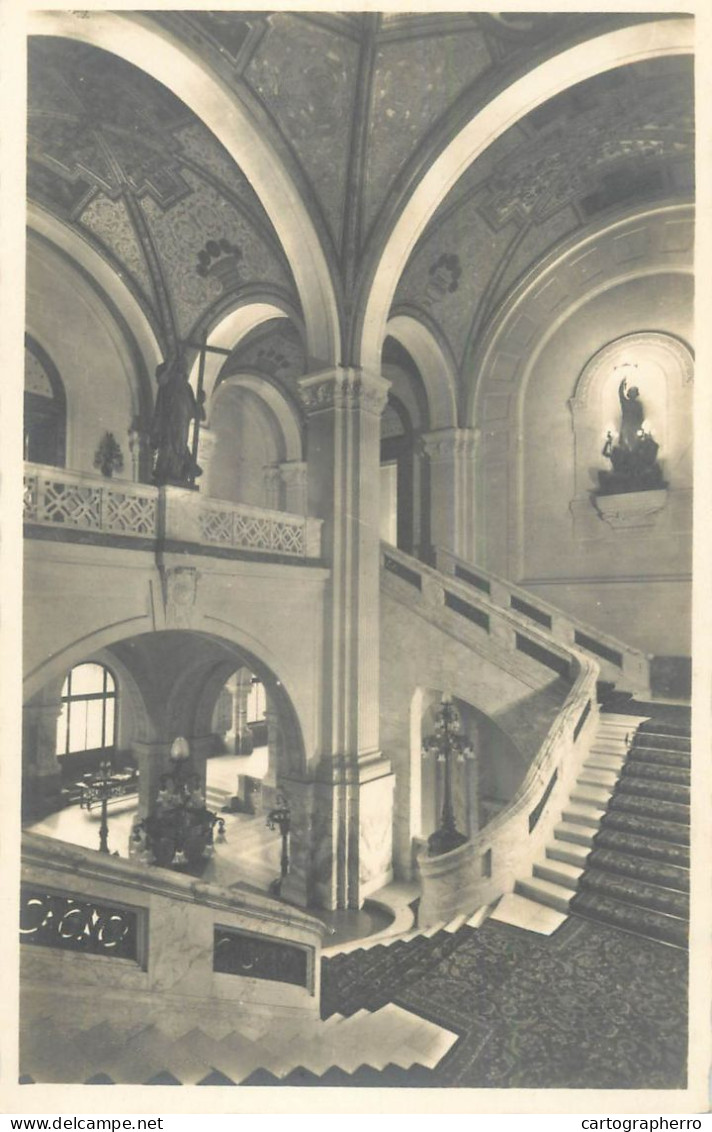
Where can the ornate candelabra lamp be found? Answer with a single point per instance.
(447, 743)
(281, 818)
(100, 787)
(179, 829)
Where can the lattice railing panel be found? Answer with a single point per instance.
(130, 514)
(251, 530)
(88, 503)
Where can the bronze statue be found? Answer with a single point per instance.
(176, 406)
(634, 457)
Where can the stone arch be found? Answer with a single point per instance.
(436, 369)
(284, 412)
(113, 292)
(157, 52)
(582, 61)
(231, 328)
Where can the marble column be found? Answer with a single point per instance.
(152, 760)
(451, 455)
(353, 794)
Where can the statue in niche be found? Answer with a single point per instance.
(634, 456)
(176, 407)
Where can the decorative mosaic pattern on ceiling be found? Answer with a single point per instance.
(414, 83)
(104, 139)
(621, 139)
(306, 77)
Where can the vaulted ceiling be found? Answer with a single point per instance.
(355, 105)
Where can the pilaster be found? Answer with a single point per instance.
(451, 455)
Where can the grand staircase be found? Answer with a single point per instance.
(621, 853)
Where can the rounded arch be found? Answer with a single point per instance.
(228, 332)
(285, 413)
(157, 52)
(436, 368)
(231, 652)
(582, 61)
(113, 292)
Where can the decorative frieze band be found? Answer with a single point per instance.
(450, 443)
(345, 388)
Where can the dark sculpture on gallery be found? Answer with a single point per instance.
(175, 410)
(179, 830)
(634, 456)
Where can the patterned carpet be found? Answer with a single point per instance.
(589, 1007)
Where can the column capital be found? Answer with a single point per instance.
(449, 443)
(346, 387)
(293, 472)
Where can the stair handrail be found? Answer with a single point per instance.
(487, 865)
(635, 666)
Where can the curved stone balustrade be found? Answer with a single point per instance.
(487, 866)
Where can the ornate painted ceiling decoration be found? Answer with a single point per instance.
(116, 155)
(623, 138)
(306, 76)
(414, 82)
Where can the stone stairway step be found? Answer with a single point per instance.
(643, 847)
(611, 763)
(640, 921)
(656, 772)
(636, 892)
(597, 776)
(569, 852)
(654, 872)
(193, 1056)
(529, 915)
(662, 758)
(652, 808)
(583, 815)
(644, 826)
(555, 895)
(145, 1057)
(591, 795)
(455, 925)
(681, 744)
(650, 788)
(575, 833)
(47, 1056)
(558, 872)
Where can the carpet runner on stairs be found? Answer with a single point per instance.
(636, 876)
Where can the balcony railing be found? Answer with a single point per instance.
(56, 498)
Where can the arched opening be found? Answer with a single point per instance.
(129, 703)
(45, 408)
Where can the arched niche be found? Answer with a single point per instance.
(661, 367)
(648, 40)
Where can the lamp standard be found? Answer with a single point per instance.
(281, 817)
(100, 788)
(447, 743)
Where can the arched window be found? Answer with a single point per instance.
(87, 721)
